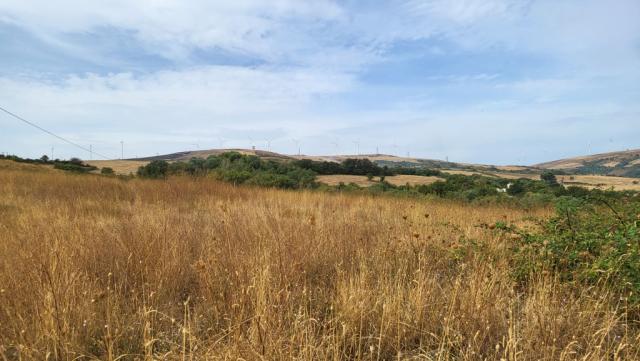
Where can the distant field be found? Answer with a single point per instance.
(363, 182)
(588, 181)
(119, 166)
(600, 181)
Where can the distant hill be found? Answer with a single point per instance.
(380, 159)
(623, 164)
(186, 155)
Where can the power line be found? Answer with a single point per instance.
(53, 134)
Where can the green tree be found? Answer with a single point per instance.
(155, 169)
(516, 188)
(549, 178)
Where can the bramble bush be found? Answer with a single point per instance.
(594, 240)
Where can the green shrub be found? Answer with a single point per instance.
(268, 179)
(107, 171)
(155, 169)
(549, 178)
(591, 241)
(234, 176)
(75, 165)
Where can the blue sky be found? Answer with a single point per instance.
(485, 81)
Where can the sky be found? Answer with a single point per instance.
(482, 81)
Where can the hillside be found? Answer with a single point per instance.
(624, 164)
(380, 159)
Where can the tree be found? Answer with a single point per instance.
(369, 177)
(516, 188)
(155, 169)
(76, 161)
(106, 171)
(549, 178)
(44, 158)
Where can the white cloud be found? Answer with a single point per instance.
(315, 56)
(221, 91)
(173, 27)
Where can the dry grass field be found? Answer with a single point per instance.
(601, 181)
(97, 268)
(119, 166)
(364, 182)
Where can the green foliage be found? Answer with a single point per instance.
(465, 187)
(360, 167)
(427, 172)
(591, 241)
(348, 166)
(107, 171)
(73, 165)
(240, 168)
(517, 188)
(549, 178)
(235, 176)
(155, 169)
(43, 160)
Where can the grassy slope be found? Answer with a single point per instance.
(625, 163)
(100, 267)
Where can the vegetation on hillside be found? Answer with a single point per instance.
(249, 169)
(594, 240)
(73, 164)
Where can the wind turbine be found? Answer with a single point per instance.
(253, 146)
(268, 140)
(297, 141)
(357, 143)
(221, 140)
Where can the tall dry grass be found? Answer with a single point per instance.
(98, 268)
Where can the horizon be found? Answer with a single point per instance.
(488, 82)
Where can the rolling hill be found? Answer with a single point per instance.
(380, 159)
(619, 170)
(623, 164)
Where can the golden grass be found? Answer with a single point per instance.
(601, 181)
(96, 268)
(364, 182)
(119, 166)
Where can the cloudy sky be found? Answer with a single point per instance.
(490, 81)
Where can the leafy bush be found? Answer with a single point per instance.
(235, 176)
(549, 178)
(593, 241)
(107, 171)
(348, 166)
(155, 169)
(74, 165)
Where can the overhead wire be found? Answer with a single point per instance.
(88, 150)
